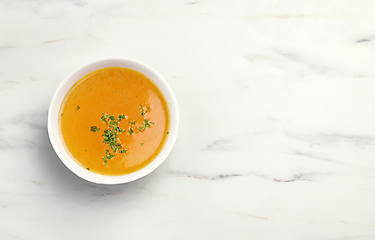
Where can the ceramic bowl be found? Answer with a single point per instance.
(71, 79)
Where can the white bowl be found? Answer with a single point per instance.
(68, 82)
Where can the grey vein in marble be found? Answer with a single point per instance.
(294, 178)
(324, 139)
(5, 85)
(5, 47)
(220, 145)
(364, 40)
(34, 120)
(57, 40)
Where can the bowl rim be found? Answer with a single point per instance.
(71, 79)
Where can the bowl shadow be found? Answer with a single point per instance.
(68, 185)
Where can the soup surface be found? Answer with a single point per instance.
(128, 96)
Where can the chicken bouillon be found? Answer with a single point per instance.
(114, 121)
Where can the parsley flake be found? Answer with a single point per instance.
(146, 123)
(142, 111)
(94, 129)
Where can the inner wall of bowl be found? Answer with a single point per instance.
(86, 69)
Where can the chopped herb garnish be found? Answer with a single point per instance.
(112, 132)
(111, 136)
(103, 118)
(115, 91)
(94, 129)
(146, 123)
(167, 132)
(142, 111)
(88, 169)
(78, 108)
(120, 117)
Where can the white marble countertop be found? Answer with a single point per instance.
(277, 119)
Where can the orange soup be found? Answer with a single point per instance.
(114, 121)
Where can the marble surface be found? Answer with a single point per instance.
(277, 120)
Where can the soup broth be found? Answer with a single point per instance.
(142, 130)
